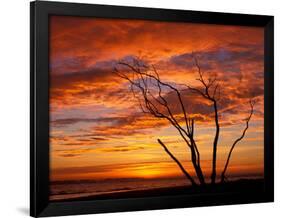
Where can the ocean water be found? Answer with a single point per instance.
(74, 189)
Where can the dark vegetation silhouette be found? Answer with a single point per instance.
(152, 94)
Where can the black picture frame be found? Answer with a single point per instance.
(39, 108)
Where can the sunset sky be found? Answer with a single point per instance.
(97, 129)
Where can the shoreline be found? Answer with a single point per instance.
(239, 186)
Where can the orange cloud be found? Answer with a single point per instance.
(94, 117)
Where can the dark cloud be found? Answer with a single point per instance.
(224, 59)
(186, 61)
(79, 152)
(68, 121)
(69, 64)
(69, 155)
(122, 149)
(70, 79)
(98, 139)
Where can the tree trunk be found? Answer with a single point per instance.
(213, 175)
(197, 167)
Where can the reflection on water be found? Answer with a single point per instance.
(73, 189)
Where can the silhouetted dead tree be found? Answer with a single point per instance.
(148, 89)
(154, 102)
(211, 92)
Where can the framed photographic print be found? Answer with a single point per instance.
(140, 109)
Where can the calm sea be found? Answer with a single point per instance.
(74, 189)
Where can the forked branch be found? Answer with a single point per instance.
(211, 92)
(147, 81)
(152, 94)
(223, 177)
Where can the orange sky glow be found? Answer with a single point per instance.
(97, 129)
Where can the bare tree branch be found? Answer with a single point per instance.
(205, 93)
(144, 80)
(165, 104)
(178, 163)
(237, 140)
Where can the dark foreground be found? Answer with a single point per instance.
(253, 187)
